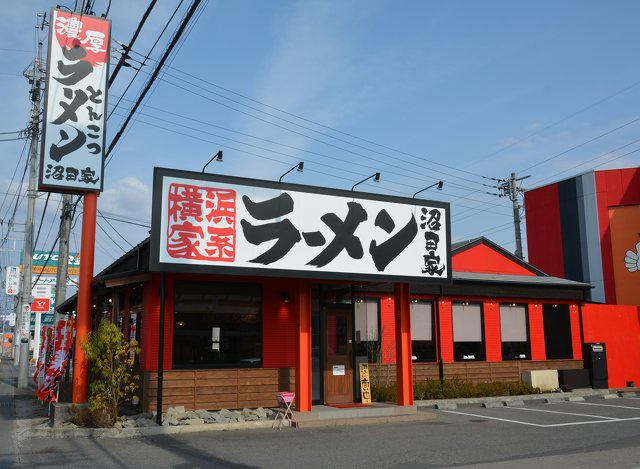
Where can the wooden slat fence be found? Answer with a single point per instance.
(217, 389)
(476, 372)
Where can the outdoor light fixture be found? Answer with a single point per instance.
(299, 166)
(285, 296)
(376, 178)
(439, 184)
(217, 157)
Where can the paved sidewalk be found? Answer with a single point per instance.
(18, 408)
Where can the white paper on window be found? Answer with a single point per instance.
(467, 323)
(513, 323)
(421, 321)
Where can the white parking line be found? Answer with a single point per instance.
(492, 418)
(559, 412)
(537, 424)
(607, 405)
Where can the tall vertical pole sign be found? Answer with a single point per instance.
(72, 156)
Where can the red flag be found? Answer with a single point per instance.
(64, 336)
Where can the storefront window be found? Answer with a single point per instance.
(423, 345)
(514, 332)
(217, 325)
(468, 336)
(557, 331)
(367, 330)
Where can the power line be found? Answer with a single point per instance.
(160, 64)
(121, 61)
(387, 155)
(557, 155)
(116, 231)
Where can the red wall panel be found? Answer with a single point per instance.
(544, 234)
(279, 327)
(388, 328)
(446, 331)
(492, 338)
(151, 324)
(619, 328)
(536, 332)
(482, 258)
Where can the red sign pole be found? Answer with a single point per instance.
(83, 319)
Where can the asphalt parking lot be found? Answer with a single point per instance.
(591, 411)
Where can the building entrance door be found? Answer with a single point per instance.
(338, 355)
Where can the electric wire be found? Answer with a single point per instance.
(114, 229)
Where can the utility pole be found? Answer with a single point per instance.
(509, 188)
(24, 308)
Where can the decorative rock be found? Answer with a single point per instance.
(203, 414)
(610, 396)
(191, 415)
(118, 425)
(226, 413)
(194, 421)
(145, 423)
(575, 399)
(128, 424)
(251, 417)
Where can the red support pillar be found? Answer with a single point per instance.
(83, 318)
(303, 347)
(404, 372)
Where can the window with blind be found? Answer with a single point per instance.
(423, 344)
(468, 333)
(514, 332)
(367, 330)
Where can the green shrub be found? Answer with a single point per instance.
(454, 388)
(112, 379)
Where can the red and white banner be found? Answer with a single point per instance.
(64, 337)
(45, 336)
(75, 103)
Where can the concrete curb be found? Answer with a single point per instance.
(560, 396)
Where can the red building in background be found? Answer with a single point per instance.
(587, 228)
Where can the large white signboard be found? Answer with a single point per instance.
(75, 103)
(217, 224)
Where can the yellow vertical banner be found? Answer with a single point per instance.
(365, 384)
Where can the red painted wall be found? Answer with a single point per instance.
(613, 187)
(492, 335)
(150, 324)
(482, 258)
(279, 327)
(544, 235)
(619, 328)
(536, 332)
(446, 331)
(388, 328)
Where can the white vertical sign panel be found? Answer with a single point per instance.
(12, 283)
(75, 103)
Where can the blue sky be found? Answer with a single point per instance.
(418, 90)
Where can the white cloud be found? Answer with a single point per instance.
(128, 196)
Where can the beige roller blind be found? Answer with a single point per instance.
(467, 323)
(421, 321)
(513, 323)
